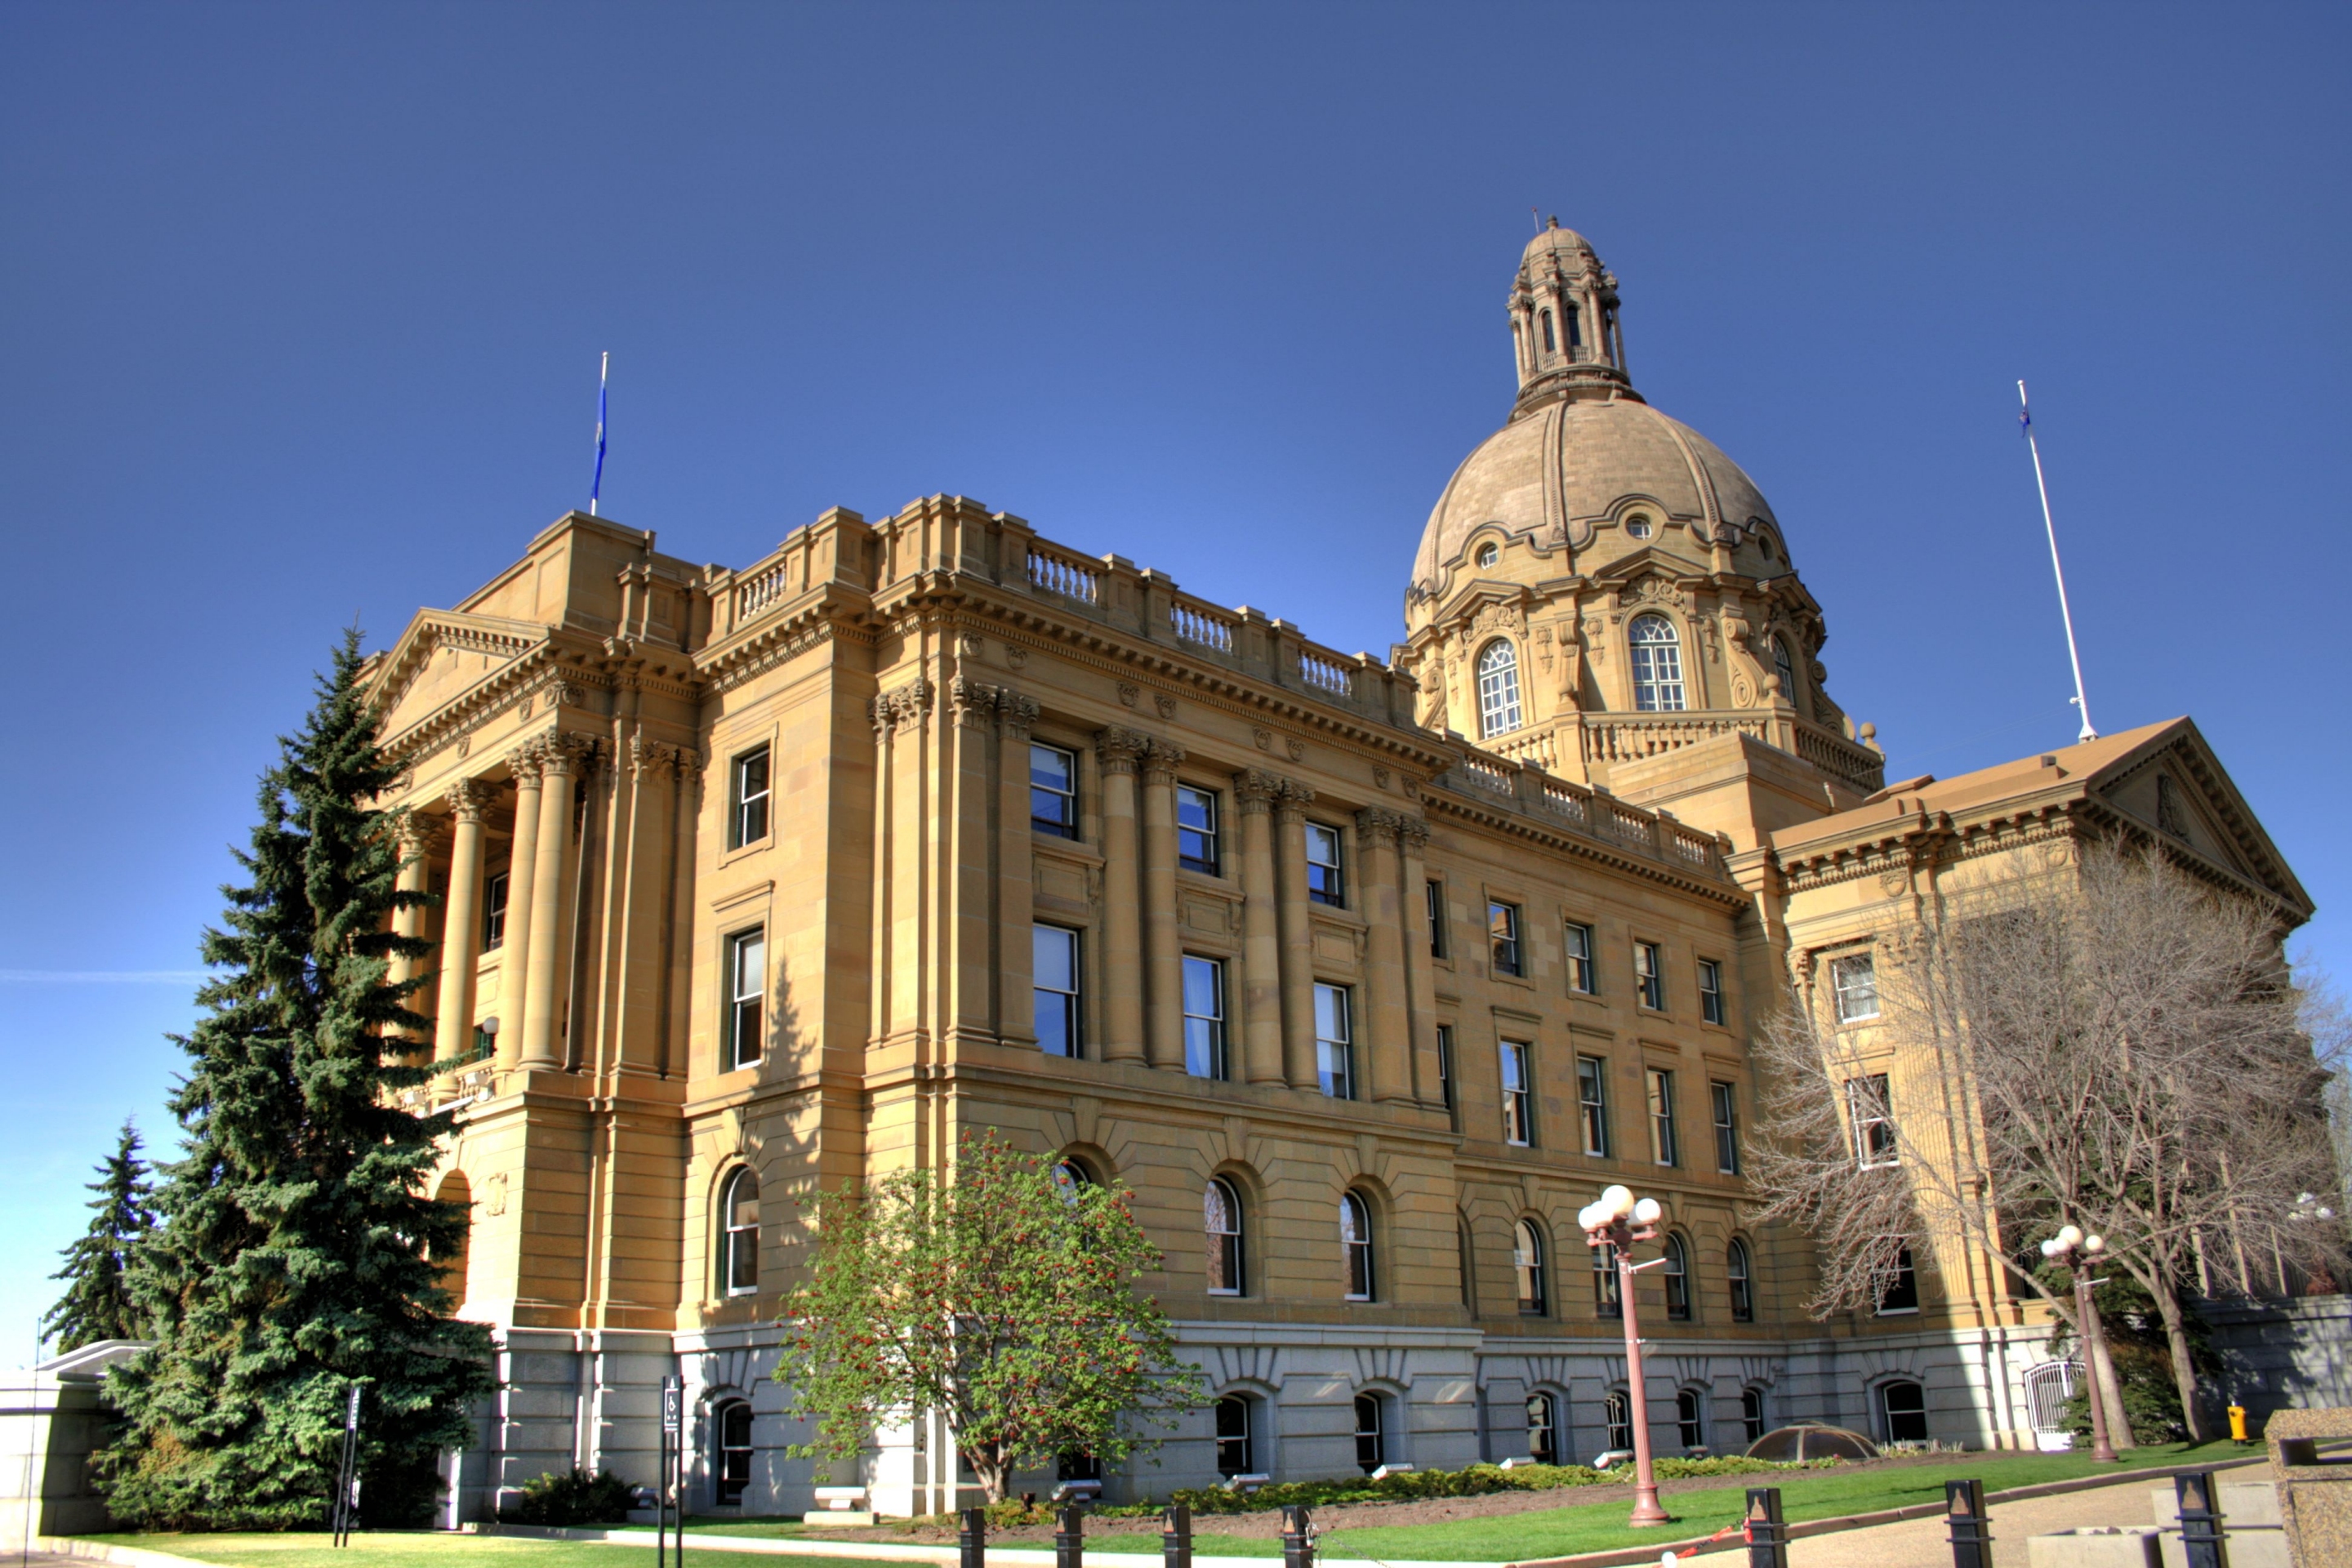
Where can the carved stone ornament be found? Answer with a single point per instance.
(1377, 827)
(563, 693)
(1120, 749)
(1265, 739)
(1296, 747)
(903, 708)
(1742, 694)
(560, 754)
(1380, 778)
(1160, 762)
(494, 1193)
(1256, 789)
(974, 702)
(1015, 655)
(1892, 881)
(1165, 703)
(970, 644)
(468, 799)
(1497, 617)
(1128, 694)
(466, 743)
(524, 711)
(1413, 833)
(1015, 713)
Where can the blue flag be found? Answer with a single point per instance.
(596, 484)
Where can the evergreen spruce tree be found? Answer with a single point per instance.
(293, 1253)
(97, 1304)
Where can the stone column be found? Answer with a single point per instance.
(971, 894)
(1387, 1034)
(1122, 967)
(1163, 963)
(461, 924)
(416, 838)
(1016, 899)
(1261, 987)
(1420, 978)
(1297, 935)
(560, 763)
(522, 866)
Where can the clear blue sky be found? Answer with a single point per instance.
(300, 306)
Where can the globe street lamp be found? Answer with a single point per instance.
(2081, 1254)
(1619, 1220)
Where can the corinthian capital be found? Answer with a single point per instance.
(974, 702)
(1256, 789)
(1378, 826)
(1120, 749)
(565, 756)
(1295, 797)
(1160, 762)
(468, 799)
(1015, 714)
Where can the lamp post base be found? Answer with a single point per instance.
(1646, 1511)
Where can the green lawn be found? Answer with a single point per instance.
(1700, 1507)
(424, 1549)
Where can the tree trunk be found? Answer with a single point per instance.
(2184, 1371)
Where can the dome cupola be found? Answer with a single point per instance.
(1564, 323)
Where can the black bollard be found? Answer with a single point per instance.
(1176, 1536)
(1768, 1533)
(1964, 1509)
(1297, 1538)
(1070, 1538)
(973, 1542)
(2201, 1533)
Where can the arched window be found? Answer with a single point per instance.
(731, 1424)
(449, 1268)
(1355, 1241)
(1675, 1273)
(1903, 1409)
(1574, 321)
(739, 1236)
(1690, 1418)
(1607, 1298)
(1220, 1216)
(1617, 1414)
(1736, 1275)
(1528, 1263)
(1498, 687)
(1371, 1433)
(1657, 665)
(1235, 1449)
(1785, 669)
(1071, 1175)
(1543, 1428)
(1551, 343)
(1751, 1412)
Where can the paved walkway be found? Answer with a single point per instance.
(1926, 1542)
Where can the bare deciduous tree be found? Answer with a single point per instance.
(2114, 1043)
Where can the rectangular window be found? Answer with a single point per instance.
(1503, 932)
(1901, 1293)
(1518, 1120)
(1335, 1048)
(1650, 974)
(1607, 1301)
(1662, 1117)
(1581, 977)
(1726, 1129)
(1196, 830)
(1872, 1115)
(1436, 919)
(748, 794)
(1445, 1066)
(1854, 982)
(1054, 970)
(1204, 1017)
(1053, 791)
(1592, 1104)
(494, 912)
(1710, 991)
(747, 995)
(1324, 882)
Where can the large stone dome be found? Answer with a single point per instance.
(1553, 474)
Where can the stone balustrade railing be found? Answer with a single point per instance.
(1594, 814)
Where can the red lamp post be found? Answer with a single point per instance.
(1619, 1220)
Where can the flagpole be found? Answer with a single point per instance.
(596, 485)
(2026, 422)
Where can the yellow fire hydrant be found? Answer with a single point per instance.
(2237, 1424)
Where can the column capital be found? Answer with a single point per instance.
(902, 708)
(468, 800)
(653, 756)
(1121, 749)
(1378, 826)
(562, 756)
(1256, 789)
(416, 833)
(1291, 805)
(525, 762)
(1413, 832)
(1160, 762)
(975, 702)
(1015, 714)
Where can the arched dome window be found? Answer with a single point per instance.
(1355, 1241)
(1498, 687)
(1785, 669)
(739, 1237)
(1575, 323)
(1551, 343)
(1657, 665)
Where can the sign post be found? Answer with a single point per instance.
(669, 1477)
(347, 1481)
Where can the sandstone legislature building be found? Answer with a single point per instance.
(1365, 974)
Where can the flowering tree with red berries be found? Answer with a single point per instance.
(997, 1293)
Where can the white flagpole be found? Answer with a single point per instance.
(2082, 703)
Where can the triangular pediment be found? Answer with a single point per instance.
(443, 654)
(2172, 785)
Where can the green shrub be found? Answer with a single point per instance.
(574, 1498)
